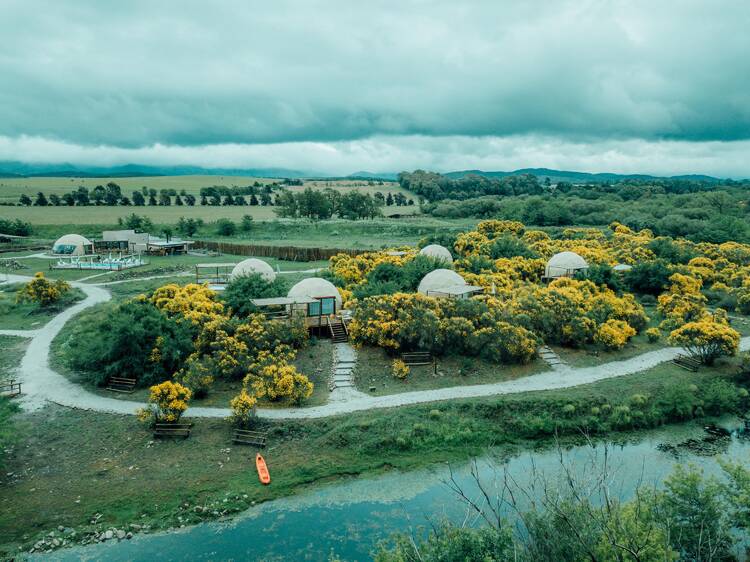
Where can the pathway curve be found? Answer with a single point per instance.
(41, 384)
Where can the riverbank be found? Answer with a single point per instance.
(91, 472)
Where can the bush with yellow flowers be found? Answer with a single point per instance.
(196, 304)
(243, 409)
(400, 370)
(42, 291)
(197, 375)
(653, 335)
(614, 334)
(408, 322)
(706, 340)
(166, 403)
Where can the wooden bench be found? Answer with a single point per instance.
(121, 384)
(246, 437)
(417, 358)
(687, 363)
(172, 429)
(10, 389)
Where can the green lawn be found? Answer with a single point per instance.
(110, 465)
(30, 316)
(373, 372)
(13, 349)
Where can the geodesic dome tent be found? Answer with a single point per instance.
(72, 245)
(564, 264)
(251, 266)
(446, 283)
(621, 267)
(438, 252)
(315, 288)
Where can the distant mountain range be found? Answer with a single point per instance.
(10, 169)
(577, 177)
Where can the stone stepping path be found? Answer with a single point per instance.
(342, 382)
(551, 358)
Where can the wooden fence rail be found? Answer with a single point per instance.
(288, 253)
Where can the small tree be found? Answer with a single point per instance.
(42, 291)
(225, 227)
(706, 340)
(166, 403)
(247, 223)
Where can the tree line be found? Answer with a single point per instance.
(327, 203)
(698, 210)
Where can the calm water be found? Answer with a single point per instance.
(350, 517)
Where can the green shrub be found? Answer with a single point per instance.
(133, 339)
(241, 290)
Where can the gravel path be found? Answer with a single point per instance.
(42, 384)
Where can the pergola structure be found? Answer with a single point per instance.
(215, 274)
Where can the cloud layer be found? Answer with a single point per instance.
(189, 73)
(407, 152)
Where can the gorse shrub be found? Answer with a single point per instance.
(42, 291)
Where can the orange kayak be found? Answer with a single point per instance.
(263, 474)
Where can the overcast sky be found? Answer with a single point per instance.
(626, 86)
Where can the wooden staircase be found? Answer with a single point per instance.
(339, 331)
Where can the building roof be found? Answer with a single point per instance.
(251, 266)
(439, 279)
(282, 301)
(438, 252)
(564, 263)
(315, 287)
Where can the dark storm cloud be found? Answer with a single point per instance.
(131, 74)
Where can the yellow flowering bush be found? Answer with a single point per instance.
(197, 375)
(653, 335)
(42, 291)
(194, 303)
(614, 334)
(400, 370)
(706, 340)
(166, 403)
(243, 409)
(280, 380)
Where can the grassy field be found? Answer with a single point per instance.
(364, 234)
(13, 349)
(12, 188)
(29, 316)
(373, 373)
(109, 467)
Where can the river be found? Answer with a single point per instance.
(350, 517)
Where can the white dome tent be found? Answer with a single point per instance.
(564, 264)
(315, 288)
(251, 266)
(446, 283)
(437, 252)
(72, 245)
(622, 267)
